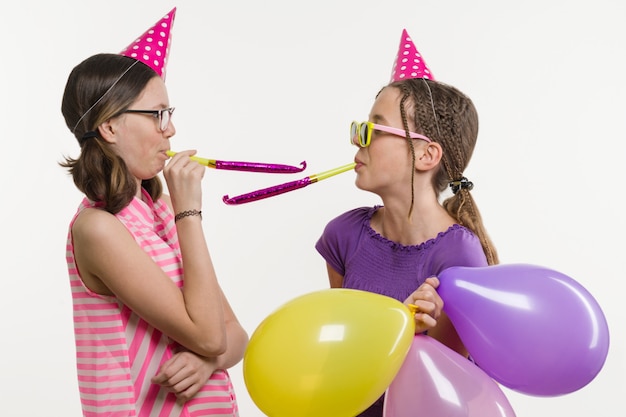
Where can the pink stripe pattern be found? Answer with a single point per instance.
(117, 352)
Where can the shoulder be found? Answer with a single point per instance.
(461, 234)
(98, 237)
(95, 228)
(352, 217)
(345, 228)
(341, 236)
(93, 222)
(461, 247)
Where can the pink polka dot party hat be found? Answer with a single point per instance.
(409, 63)
(152, 46)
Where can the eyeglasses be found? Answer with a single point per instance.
(164, 116)
(361, 133)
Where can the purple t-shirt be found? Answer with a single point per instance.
(370, 262)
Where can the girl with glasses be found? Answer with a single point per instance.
(418, 142)
(155, 334)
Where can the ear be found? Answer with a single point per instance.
(107, 131)
(427, 157)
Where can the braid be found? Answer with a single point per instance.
(449, 118)
(470, 217)
(405, 123)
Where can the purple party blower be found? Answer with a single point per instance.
(286, 187)
(247, 166)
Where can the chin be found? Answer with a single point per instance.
(359, 185)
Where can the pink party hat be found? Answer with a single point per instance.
(409, 63)
(152, 47)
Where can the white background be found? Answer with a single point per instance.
(279, 81)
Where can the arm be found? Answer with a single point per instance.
(186, 372)
(445, 333)
(335, 278)
(111, 263)
(430, 318)
(237, 340)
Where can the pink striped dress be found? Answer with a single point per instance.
(117, 352)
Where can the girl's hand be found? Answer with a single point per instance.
(184, 374)
(183, 177)
(429, 305)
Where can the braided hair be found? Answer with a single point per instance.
(448, 117)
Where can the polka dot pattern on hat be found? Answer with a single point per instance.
(409, 63)
(152, 47)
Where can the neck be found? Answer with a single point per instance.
(427, 220)
(138, 193)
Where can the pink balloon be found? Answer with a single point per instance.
(534, 330)
(434, 380)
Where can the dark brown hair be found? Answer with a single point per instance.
(448, 117)
(102, 87)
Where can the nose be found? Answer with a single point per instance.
(354, 140)
(171, 130)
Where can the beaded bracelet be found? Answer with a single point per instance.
(187, 213)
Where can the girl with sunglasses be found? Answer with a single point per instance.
(155, 334)
(418, 142)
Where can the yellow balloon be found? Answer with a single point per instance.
(329, 353)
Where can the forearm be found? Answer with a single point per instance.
(237, 340)
(201, 291)
(445, 333)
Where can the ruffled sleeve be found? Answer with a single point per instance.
(341, 236)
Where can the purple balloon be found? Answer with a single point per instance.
(434, 380)
(533, 329)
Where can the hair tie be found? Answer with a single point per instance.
(89, 135)
(463, 183)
